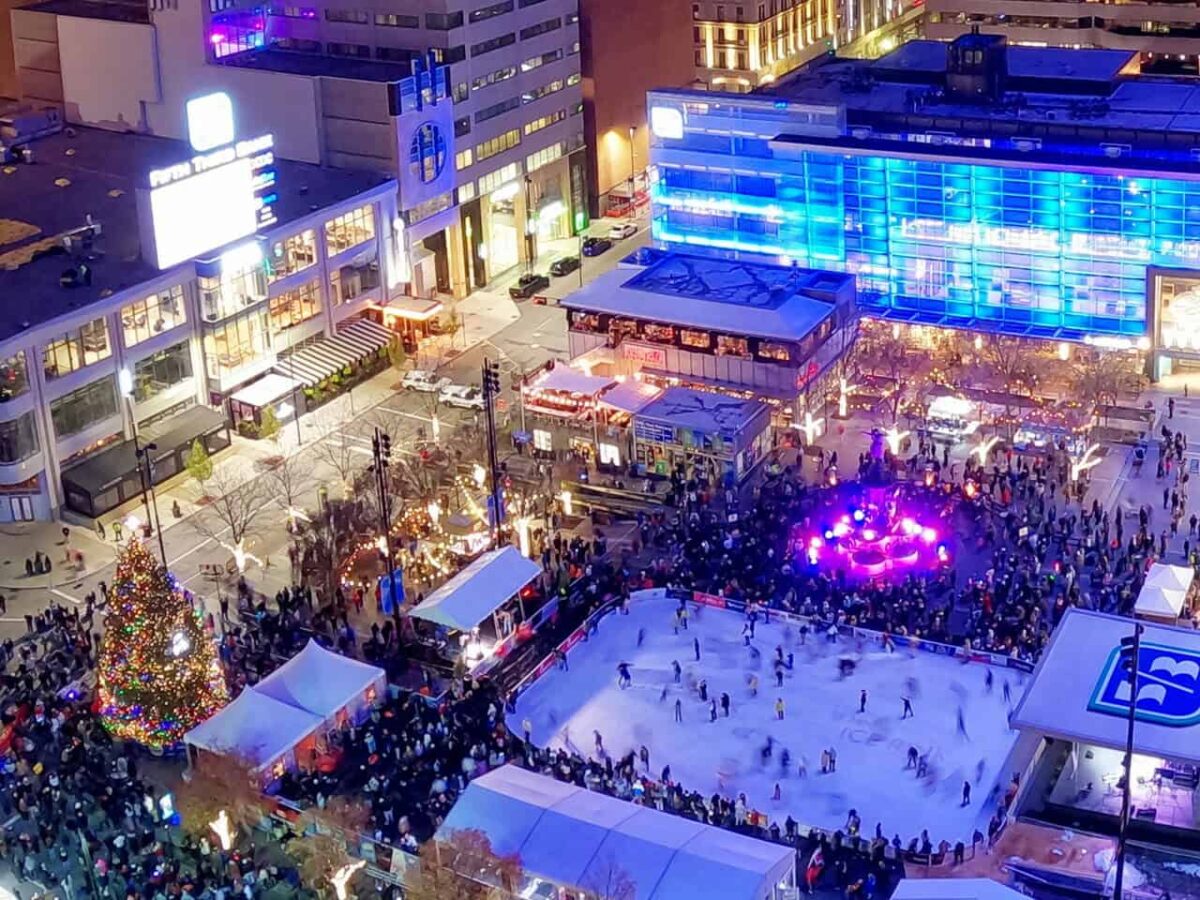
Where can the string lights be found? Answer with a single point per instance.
(158, 671)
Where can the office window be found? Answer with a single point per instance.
(297, 45)
(545, 121)
(394, 20)
(463, 159)
(443, 21)
(293, 12)
(490, 12)
(495, 43)
(18, 439)
(235, 343)
(397, 54)
(697, 35)
(573, 79)
(497, 109)
(728, 345)
(340, 48)
(350, 16)
(498, 144)
(83, 408)
(450, 55)
(466, 192)
(500, 177)
(545, 90)
(350, 230)
(77, 348)
(355, 278)
(697, 340)
(14, 377)
(536, 62)
(295, 306)
(494, 77)
(292, 254)
(544, 156)
(740, 14)
(232, 291)
(541, 28)
(162, 370)
(144, 319)
(461, 92)
(462, 126)
(695, 10)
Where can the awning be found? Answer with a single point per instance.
(478, 590)
(314, 363)
(418, 309)
(567, 380)
(630, 396)
(266, 390)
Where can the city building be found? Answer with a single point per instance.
(328, 80)
(1040, 192)
(621, 62)
(747, 329)
(145, 282)
(739, 46)
(1165, 36)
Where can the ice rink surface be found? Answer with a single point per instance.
(820, 711)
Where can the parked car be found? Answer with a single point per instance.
(423, 381)
(528, 285)
(464, 396)
(622, 230)
(594, 246)
(564, 266)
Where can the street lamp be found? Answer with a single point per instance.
(141, 455)
(632, 172)
(1130, 652)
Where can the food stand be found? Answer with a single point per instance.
(686, 427)
(1062, 427)
(952, 419)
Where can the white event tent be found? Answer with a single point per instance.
(1164, 593)
(325, 683)
(258, 729)
(478, 590)
(954, 889)
(578, 839)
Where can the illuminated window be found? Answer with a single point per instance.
(144, 319)
(350, 230)
(464, 159)
(292, 254)
(354, 279)
(545, 90)
(294, 307)
(697, 340)
(536, 62)
(18, 439)
(545, 156)
(494, 77)
(235, 344)
(501, 176)
(466, 192)
(231, 292)
(772, 351)
(14, 376)
(662, 334)
(490, 12)
(728, 345)
(162, 370)
(497, 145)
(394, 20)
(77, 348)
(545, 121)
(83, 408)
(427, 153)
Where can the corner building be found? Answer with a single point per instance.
(1038, 192)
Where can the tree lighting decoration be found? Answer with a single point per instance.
(223, 829)
(158, 674)
(341, 878)
(984, 448)
(1085, 462)
(894, 436)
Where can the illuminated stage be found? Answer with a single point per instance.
(870, 532)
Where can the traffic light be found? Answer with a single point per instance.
(1126, 654)
(491, 378)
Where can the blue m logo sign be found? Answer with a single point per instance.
(1168, 687)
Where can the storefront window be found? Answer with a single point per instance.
(697, 340)
(82, 408)
(292, 255)
(231, 292)
(727, 345)
(776, 352)
(77, 348)
(353, 280)
(582, 321)
(235, 343)
(350, 230)
(662, 334)
(1179, 313)
(14, 377)
(18, 439)
(162, 370)
(295, 306)
(144, 319)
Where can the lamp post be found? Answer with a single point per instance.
(1130, 657)
(381, 450)
(491, 391)
(632, 173)
(141, 455)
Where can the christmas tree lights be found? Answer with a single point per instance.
(158, 674)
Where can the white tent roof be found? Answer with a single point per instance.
(948, 407)
(254, 727)
(319, 680)
(474, 593)
(954, 889)
(1079, 690)
(571, 381)
(1153, 600)
(577, 838)
(1176, 578)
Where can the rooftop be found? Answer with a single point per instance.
(731, 296)
(83, 171)
(702, 411)
(1079, 99)
(314, 65)
(112, 10)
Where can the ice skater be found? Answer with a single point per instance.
(696, 647)
(677, 669)
(599, 743)
(644, 756)
(862, 700)
(1007, 693)
(624, 679)
(527, 727)
(907, 712)
(678, 710)
(778, 674)
(779, 708)
(966, 793)
(912, 758)
(747, 633)
(641, 636)
(988, 680)
(825, 762)
(961, 725)
(832, 759)
(703, 689)
(725, 704)
(712, 710)
(752, 681)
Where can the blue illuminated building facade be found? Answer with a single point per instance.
(967, 205)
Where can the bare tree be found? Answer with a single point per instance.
(321, 845)
(234, 505)
(1101, 379)
(214, 784)
(339, 451)
(886, 353)
(462, 867)
(289, 478)
(1007, 362)
(607, 880)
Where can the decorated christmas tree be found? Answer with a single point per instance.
(158, 673)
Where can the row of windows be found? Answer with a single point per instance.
(545, 90)
(497, 109)
(545, 156)
(144, 319)
(501, 176)
(536, 62)
(503, 40)
(497, 145)
(494, 77)
(82, 346)
(541, 28)
(489, 12)
(545, 121)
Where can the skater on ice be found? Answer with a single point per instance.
(678, 710)
(677, 670)
(907, 712)
(862, 700)
(779, 708)
(624, 679)
(725, 704)
(712, 710)
(966, 793)
(703, 689)
(696, 647)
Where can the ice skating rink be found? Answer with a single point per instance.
(821, 711)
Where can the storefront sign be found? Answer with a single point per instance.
(1168, 691)
(654, 432)
(543, 441)
(610, 455)
(647, 356)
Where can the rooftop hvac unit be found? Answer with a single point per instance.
(1116, 151)
(1028, 145)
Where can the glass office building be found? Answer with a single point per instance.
(958, 229)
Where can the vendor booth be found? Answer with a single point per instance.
(1061, 427)
(1076, 712)
(951, 419)
(270, 736)
(686, 427)
(326, 684)
(482, 591)
(284, 395)
(1166, 594)
(572, 841)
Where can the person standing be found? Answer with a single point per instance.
(725, 704)
(966, 793)
(779, 708)
(862, 700)
(527, 727)
(678, 710)
(907, 712)
(696, 647)
(677, 669)
(832, 759)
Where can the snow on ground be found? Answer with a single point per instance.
(821, 711)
